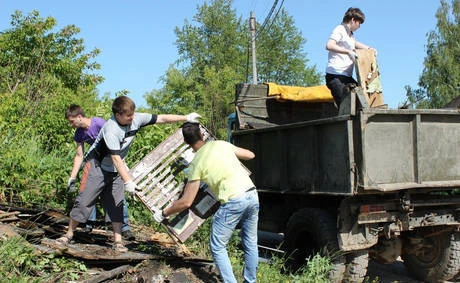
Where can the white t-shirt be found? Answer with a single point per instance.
(341, 64)
(116, 139)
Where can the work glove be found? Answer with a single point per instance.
(353, 56)
(131, 187)
(158, 216)
(71, 185)
(193, 117)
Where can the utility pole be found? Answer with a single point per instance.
(252, 28)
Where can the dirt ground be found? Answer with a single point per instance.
(175, 264)
(183, 267)
(179, 271)
(158, 272)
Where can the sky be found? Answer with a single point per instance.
(137, 39)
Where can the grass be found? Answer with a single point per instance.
(20, 263)
(316, 268)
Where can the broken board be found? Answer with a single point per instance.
(368, 77)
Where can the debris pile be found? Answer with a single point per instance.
(40, 227)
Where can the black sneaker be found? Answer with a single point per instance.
(127, 235)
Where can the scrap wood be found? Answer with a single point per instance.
(7, 231)
(108, 274)
(163, 239)
(29, 232)
(9, 219)
(167, 240)
(180, 247)
(96, 252)
(18, 208)
(195, 260)
(4, 214)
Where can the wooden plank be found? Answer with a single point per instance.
(7, 231)
(8, 214)
(96, 252)
(368, 77)
(108, 274)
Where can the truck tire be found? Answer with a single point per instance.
(310, 231)
(438, 259)
(356, 266)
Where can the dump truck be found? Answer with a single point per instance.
(358, 182)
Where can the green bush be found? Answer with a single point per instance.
(33, 176)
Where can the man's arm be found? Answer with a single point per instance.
(244, 154)
(360, 45)
(78, 160)
(332, 46)
(190, 192)
(172, 118)
(121, 167)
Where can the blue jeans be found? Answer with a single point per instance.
(242, 212)
(125, 227)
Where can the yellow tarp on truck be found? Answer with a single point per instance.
(297, 93)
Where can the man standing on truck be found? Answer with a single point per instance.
(105, 171)
(342, 56)
(86, 131)
(217, 164)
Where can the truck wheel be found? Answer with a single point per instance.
(310, 231)
(437, 259)
(356, 267)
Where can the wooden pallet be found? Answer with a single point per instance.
(160, 175)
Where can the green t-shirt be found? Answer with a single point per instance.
(216, 164)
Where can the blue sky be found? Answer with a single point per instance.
(137, 37)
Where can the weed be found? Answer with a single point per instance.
(21, 263)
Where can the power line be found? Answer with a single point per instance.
(269, 18)
(268, 21)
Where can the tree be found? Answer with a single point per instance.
(280, 54)
(42, 71)
(440, 78)
(213, 58)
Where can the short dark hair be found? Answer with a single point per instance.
(191, 132)
(74, 110)
(123, 104)
(353, 13)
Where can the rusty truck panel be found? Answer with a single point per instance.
(404, 149)
(322, 153)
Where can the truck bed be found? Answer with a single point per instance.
(374, 150)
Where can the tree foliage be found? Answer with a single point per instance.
(280, 54)
(440, 79)
(213, 58)
(42, 71)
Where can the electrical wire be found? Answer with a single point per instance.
(268, 21)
